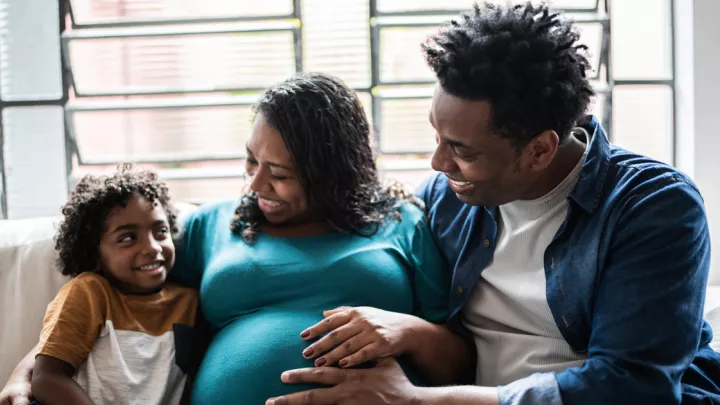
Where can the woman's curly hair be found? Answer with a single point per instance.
(328, 136)
(84, 215)
(524, 60)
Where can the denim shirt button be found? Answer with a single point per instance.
(486, 243)
(460, 290)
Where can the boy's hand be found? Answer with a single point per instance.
(357, 335)
(16, 392)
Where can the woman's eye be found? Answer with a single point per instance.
(276, 177)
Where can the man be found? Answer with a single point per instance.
(579, 268)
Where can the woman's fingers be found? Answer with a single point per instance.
(347, 348)
(332, 340)
(331, 322)
(369, 352)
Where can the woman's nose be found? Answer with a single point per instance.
(259, 181)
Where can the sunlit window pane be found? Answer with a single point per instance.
(174, 63)
(336, 39)
(123, 11)
(166, 134)
(641, 45)
(405, 126)
(643, 120)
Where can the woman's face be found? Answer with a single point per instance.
(280, 195)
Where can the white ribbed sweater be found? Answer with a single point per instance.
(508, 313)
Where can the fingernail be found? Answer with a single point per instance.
(343, 363)
(305, 335)
(320, 362)
(308, 352)
(285, 377)
(270, 402)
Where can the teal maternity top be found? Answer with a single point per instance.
(260, 297)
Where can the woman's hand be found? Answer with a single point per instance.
(16, 392)
(357, 335)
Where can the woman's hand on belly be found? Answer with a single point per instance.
(357, 335)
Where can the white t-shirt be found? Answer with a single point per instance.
(508, 313)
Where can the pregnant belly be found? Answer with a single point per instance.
(245, 359)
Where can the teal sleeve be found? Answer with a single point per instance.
(188, 252)
(431, 276)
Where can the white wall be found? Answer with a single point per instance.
(697, 44)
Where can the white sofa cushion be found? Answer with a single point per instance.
(29, 280)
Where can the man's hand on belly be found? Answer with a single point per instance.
(383, 384)
(358, 335)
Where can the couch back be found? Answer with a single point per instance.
(29, 280)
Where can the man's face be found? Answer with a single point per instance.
(482, 168)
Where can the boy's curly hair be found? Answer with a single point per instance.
(83, 225)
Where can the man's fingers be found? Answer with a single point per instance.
(320, 396)
(328, 324)
(319, 375)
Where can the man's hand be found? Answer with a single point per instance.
(384, 384)
(16, 392)
(357, 335)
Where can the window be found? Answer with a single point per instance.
(170, 84)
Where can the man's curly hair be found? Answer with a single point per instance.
(328, 136)
(523, 59)
(84, 223)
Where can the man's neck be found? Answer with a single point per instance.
(565, 160)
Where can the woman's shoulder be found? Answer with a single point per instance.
(211, 211)
(411, 216)
(412, 212)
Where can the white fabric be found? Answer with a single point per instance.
(508, 313)
(123, 369)
(29, 280)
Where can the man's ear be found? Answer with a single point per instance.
(542, 149)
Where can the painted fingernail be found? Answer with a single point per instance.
(308, 352)
(305, 335)
(320, 362)
(343, 363)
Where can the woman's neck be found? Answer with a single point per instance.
(298, 230)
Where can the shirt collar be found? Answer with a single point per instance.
(594, 171)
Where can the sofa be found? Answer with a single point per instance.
(29, 281)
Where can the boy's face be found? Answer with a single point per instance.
(136, 249)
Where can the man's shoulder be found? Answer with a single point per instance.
(633, 176)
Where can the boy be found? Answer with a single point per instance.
(116, 333)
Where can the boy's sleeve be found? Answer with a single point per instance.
(431, 277)
(73, 321)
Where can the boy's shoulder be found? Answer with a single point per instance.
(88, 283)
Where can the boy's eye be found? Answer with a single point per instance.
(126, 238)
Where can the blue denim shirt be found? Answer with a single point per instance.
(626, 277)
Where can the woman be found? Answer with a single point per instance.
(317, 231)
